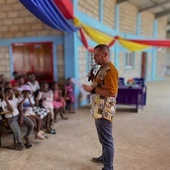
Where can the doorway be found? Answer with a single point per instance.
(36, 58)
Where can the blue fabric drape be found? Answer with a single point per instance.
(48, 12)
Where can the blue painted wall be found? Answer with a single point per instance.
(101, 27)
(72, 42)
(154, 53)
(71, 56)
(117, 47)
(71, 59)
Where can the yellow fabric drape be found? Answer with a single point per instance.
(94, 34)
(77, 22)
(132, 46)
(102, 38)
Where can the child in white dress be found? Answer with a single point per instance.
(46, 95)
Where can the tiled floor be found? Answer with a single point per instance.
(142, 140)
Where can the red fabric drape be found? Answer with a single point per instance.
(85, 43)
(66, 8)
(158, 43)
(112, 42)
(83, 38)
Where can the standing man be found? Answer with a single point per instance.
(103, 99)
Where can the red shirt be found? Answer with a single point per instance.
(13, 82)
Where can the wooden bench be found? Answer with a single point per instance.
(6, 130)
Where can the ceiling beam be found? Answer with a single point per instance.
(162, 14)
(121, 1)
(153, 6)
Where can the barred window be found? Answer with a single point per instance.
(91, 63)
(129, 60)
(91, 60)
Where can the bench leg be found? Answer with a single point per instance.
(136, 107)
(0, 140)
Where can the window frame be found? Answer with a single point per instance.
(129, 60)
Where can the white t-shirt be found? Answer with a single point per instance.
(19, 89)
(48, 103)
(14, 103)
(34, 86)
(28, 110)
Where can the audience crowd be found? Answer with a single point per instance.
(24, 101)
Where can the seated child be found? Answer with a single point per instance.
(46, 95)
(58, 101)
(27, 104)
(69, 95)
(33, 83)
(10, 106)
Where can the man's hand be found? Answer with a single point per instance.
(87, 88)
(90, 74)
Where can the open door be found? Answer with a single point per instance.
(144, 65)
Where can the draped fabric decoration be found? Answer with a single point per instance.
(83, 39)
(66, 8)
(55, 13)
(132, 46)
(158, 43)
(94, 34)
(48, 12)
(85, 43)
(101, 38)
